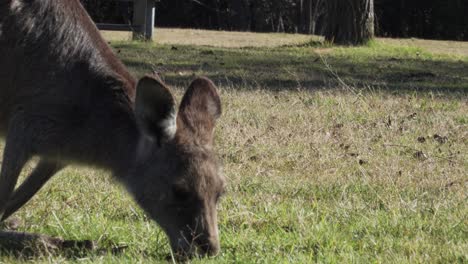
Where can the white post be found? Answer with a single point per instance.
(150, 17)
(143, 17)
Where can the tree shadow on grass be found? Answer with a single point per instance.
(406, 75)
(291, 68)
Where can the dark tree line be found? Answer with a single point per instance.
(438, 19)
(243, 15)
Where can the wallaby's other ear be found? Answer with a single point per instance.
(155, 109)
(199, 110)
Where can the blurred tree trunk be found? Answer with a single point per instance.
(308, 12)
(308, 15)
(349, 22)
(299, 16)
(303, 16)
(280, 23)
(403, 27)
(241, 15)
(316, 9)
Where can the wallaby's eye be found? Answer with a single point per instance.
(180, 194)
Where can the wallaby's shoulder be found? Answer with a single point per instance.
(63, 32)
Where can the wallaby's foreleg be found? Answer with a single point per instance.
(15, 155)
(44, 170)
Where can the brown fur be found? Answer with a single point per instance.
(65, 97)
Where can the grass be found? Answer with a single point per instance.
(215, 38)
(367, 168)
(459, 48)
(300, 64)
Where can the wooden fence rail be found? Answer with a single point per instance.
(144, 12)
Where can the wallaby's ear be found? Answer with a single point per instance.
(155, 109)
(199, 110)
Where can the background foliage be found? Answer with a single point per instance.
(436, 19)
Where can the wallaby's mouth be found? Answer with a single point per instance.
(200, 247)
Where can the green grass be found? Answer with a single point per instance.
(380, 65)
(320, 169)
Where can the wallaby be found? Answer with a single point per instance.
(67, 99)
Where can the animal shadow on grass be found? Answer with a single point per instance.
(28, 245)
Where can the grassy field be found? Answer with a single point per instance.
(332, 154)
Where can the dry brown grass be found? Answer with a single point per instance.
(344, 137)
(229, 39)
(216, 38)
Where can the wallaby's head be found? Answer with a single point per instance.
(176, 178)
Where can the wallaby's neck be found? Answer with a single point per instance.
(118, 134)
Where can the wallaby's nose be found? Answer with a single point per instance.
(210, 247)
(202, 246)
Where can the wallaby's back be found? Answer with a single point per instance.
(52, 54)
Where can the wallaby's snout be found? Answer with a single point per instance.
(201, 245)
(206, 237)
(209, 246)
